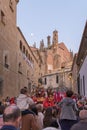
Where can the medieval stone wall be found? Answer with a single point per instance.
(16, 68)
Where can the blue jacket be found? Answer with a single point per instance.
(8, 127)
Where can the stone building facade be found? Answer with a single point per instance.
(22, 65)
(58, 61)
(18, 65)
(74, 74)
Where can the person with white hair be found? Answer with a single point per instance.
(11, 118)
(82, 124)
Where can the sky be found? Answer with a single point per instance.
(39, 18)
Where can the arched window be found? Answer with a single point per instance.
(57, 61)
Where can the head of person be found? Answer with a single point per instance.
(34, 109)
(23, 91)
(83, 114)
(12, 116)
(39, 107)
(48, 112)
(69, 93)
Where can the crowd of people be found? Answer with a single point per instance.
(22, 113)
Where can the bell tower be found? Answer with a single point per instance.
(55, 40)
(55, 37)
(48, 41)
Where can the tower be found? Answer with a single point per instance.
(42, 45)
(55, 40)
(48, 41)
(55, 37)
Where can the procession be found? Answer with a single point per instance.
(43, 63)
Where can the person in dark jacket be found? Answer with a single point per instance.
(11, 118)
(48, 119)
(82, 124)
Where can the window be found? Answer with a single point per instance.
(21, 45)
(29, 56)
(1, 85)
(78, 83)
(20, 68)
(26, 53)
(57, 61)
(40, 66)
(40, 80)
(11, 5)
(31, 59)
(45, 81)
(57, 79)
(24, 49)
(28, 74)
(81, 87)
(84, 85)
(2, 17)
(6, 61)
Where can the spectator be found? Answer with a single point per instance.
(2, 107)
(24, 101)
(11, 118)
(82, 124)
(67, 112)
(40, 114)
(53, 126)
(48, 118)
(29, 121)
(34, 109)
